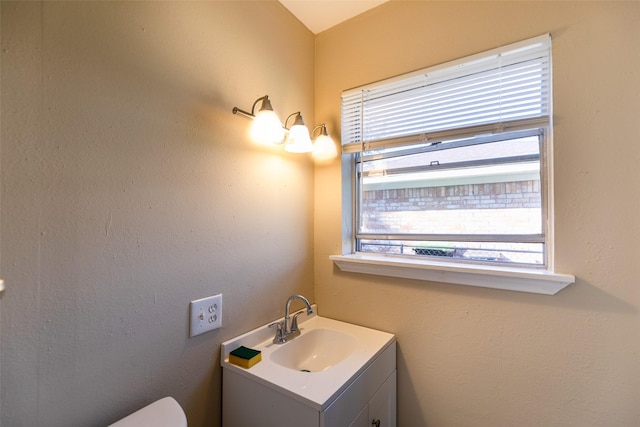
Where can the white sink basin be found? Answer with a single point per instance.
(316, 350)
(315, 366)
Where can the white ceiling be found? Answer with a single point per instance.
(320, 15)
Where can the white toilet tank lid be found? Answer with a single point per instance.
(165, 412)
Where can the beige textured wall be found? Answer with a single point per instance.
(480, 357)
(129, 189)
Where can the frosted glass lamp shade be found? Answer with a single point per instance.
(299, 140)
(266, 128)
(324, 149)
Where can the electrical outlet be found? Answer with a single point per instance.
(205, 314)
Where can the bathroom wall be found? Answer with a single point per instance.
(0, 227)
(129, 189)
(480, 357)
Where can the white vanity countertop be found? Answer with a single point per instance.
(316, 389)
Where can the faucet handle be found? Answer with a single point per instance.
(294, 322)
(279, 338)
(277, 325)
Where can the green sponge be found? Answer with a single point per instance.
(245, 357)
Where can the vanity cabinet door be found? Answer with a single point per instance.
(382, 407)
(362, 420)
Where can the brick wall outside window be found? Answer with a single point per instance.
(469, 208)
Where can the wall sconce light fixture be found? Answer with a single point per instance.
(266, 127)
(298, 140)
(324, 148)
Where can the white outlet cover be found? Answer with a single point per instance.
(205, 315)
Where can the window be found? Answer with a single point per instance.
(452, 163)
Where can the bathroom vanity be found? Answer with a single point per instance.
(333, 374)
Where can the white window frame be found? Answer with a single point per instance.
(525, 279)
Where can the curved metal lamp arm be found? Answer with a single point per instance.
(266, 104)
(323, 131)
(298, 120)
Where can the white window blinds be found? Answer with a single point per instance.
(501, 90)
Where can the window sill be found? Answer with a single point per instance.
(497, 277)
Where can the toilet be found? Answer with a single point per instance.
(165, 412)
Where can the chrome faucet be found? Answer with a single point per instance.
(288, 328)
